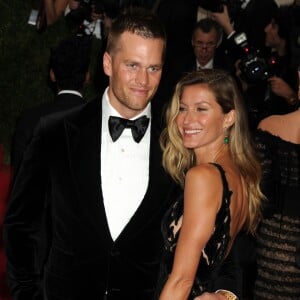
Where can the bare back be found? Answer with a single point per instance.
(239, 202)
(287, 126)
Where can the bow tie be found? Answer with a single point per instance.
(138, 127)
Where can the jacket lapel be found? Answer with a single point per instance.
(84, 136)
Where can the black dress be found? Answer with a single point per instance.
(278, 276)
(215, 250)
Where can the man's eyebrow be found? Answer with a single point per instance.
(159, 65)
(156, 65)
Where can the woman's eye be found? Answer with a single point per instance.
(200, 109)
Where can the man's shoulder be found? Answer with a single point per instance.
(76, 115)
(32, 115)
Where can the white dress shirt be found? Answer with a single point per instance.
(124, 170)
(209, 65)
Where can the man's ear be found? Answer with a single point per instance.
(220, 39)
(192, 42)
(87, 77)
(107, 65)
(52, 75)
(229, 119)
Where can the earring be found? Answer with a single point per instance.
(226, 137)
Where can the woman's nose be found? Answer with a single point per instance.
(189, 116)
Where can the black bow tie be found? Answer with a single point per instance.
(138, 127)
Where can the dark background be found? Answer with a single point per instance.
(24, 55)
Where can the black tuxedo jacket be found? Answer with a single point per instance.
(21, 138)
(83, 262)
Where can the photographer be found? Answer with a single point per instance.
(80, 15)
(86, 18)
(249, 16)
(51, 10)
(276, 92)
(268, 82)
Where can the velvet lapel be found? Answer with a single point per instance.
(84, 136)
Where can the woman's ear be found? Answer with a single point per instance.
(107, 67)
(229, 119)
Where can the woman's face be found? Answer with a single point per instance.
(200, 120)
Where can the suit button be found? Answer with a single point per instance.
(114, 252)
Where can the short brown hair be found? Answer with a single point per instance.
(139, 21)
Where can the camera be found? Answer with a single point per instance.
(253, 66)
(76, 17)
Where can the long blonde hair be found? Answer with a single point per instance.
(177, 159)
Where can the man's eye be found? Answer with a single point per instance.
(154, 69)
(132, 66)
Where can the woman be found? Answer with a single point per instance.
(207, 149)
(278, 238)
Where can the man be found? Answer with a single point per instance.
(108, 196)
(69, 71)
(108, 188)
(206, 53)
(207, 36)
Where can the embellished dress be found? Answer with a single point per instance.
(278, 238)
(214, 251)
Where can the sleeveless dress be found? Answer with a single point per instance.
(213, 253)
(278, 237)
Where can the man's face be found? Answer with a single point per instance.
(204, 45)
(272, 38)
(134, 69)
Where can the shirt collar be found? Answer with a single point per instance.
(70, 92)
(209, 65)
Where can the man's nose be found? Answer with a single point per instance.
(142, 77)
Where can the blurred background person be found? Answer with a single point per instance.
(206, 37)
(80, 15)
(266, 75)
(51, 10)
(278, 238)
(69, 72)
(273, 91)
